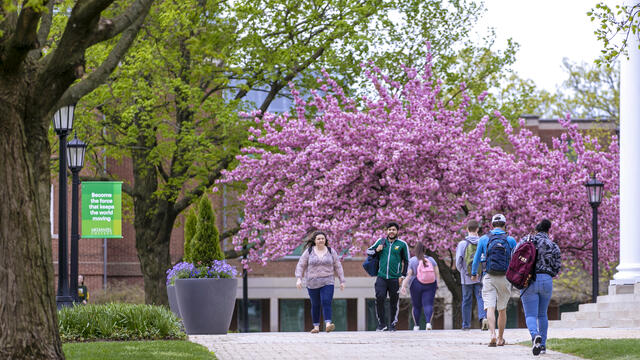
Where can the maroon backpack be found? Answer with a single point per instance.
(521, 271)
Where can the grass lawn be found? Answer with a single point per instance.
(139, 350)
(598, 349)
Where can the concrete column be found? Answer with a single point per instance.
(362, 314)
(448, 316)
(273, 314)
(629, 267)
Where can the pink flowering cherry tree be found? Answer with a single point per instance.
(348, 167)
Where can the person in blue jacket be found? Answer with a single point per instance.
(495, 248)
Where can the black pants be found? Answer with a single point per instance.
(384, 286)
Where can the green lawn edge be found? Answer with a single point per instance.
(596, 349)
(139, 350)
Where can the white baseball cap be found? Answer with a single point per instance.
(498, 218)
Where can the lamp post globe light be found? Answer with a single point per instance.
(75, 157)
(594, 194)
(63, 124)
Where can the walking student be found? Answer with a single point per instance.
(536, 297)
(318, 264)
(496, 247)
(394, 261)
(465, 253)
(422, 281)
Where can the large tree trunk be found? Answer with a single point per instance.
(28, 318)
(153, 253)
(33, 83)
(154, 219)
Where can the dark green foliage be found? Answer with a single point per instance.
(205, 244)
(139, 350)
(189, 232)
(118, 322)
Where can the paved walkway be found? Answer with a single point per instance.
(371, 345)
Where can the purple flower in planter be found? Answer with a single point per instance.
(184, 270)
(178, 270)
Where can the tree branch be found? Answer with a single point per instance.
(276, 87)
(232, 254)
(162, 173)
(229, 233)
(199, 190)
(45, 26)
(23, 39)
(109, 28)
(90, 8)
(96, 78)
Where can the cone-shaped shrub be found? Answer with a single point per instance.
(205, 244)
(189, 232)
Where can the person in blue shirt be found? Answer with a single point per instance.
(495, 248)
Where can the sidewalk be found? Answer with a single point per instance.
(371, 345)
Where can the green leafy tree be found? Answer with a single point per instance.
(205, 245)
(189, 232)
(172, 105)
(590, 92)
(623, 21)
(43, 67)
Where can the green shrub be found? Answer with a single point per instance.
(118, 322)
(205, 244)
(189, 232)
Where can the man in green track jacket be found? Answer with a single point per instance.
(394, 263)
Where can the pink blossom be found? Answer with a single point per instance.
(404, 156)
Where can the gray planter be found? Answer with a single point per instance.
(206, 305)
(173, 300)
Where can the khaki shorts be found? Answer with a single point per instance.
(496, 291)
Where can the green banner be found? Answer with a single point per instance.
(101, 209)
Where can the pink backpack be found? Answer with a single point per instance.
(426, 273)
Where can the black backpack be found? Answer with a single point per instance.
(498, 254)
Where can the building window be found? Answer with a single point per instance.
(291, 315)
(339, 314)
(512, 313)
(258, 310)
(255, 312)
(372, 319)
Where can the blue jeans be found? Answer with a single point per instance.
(468, 291)
(535, 301)
(321, 298)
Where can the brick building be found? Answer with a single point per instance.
(275, 303)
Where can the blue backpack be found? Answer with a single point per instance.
(372, 263)
(498, 254)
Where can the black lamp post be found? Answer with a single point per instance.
(245, 295)
(75, 157)
(62, 124)
(594, 193)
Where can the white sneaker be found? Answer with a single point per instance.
(429, 326)
(416, 328)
